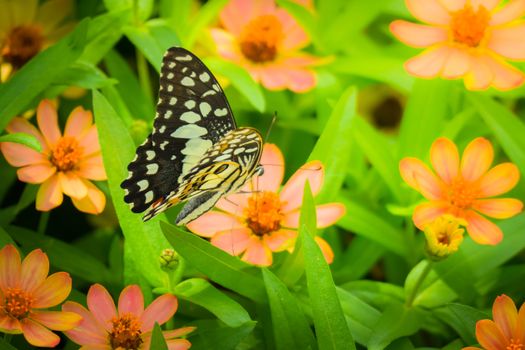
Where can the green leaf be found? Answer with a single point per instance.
(23, 139)
(201, 292)
(4, 345)
(157, 339)
(144, 240)
(17, 93)
(219, 266)
(290, 326)
(5, 238)
(207, 13)
(329, 321)
(84, 75)
(463, 319)
(214, 335)
(142, 8)
(333, 148)
(239, 78)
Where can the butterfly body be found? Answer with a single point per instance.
(195, 152)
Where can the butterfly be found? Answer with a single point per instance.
(195, 153)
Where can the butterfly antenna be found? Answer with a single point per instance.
(274, 119)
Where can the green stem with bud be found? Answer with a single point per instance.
(422, 276)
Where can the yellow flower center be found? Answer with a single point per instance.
(17, 302)
(126, 333)
(461, 194)
(468, 25)
(514, 345)
(21, 44)
(260, 38)
(444, 235)
(263, 213)
(67, 154)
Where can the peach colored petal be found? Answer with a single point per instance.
(78, 122)
(234, 204)
(480, 75)
(19, 124)
(327, 215)
(430, 11)
(49, 195)
(477, 158)
(212, 222)
(179, 332)
(257, 253)
(418, 176)
(498, 180)
(227, 45)
(272, 161)
(236, 14)
(429, 63)
(35, 268)
(53, 291)
(19, 155)
(301, 80)
(160, 310)
(514, 9)
(93, 203)
(36, 173)
(457, 64)
(292, 194)
(272, 77)
(10, 266)
(327, 251)
(89, 141)
(178, 344)
(417, 35)
(505, 315)
(489, 335)
(38, 335)
(506, 76)
(101, 305)
(499, 208)
(232, 241)
(92, 168)
(280, 240)
(57, 320)
(444, 156)
(428, 212)
(281, 76)
(294, 35)
(48, 122)
(453, 5)
(481, 230)
(9, 324)
(131, 300)
(488, 4)
(89, 331)
(72, 185)
(508, 41)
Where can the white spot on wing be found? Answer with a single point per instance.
(183, 58)
(205, 108)
(187, 81)
(170, 75)
(150, 154)
(173, 101)
(221, 112)
(168, 114)
(149, 196)
(190, 117)
(204, 77)
(209, 93)
(190, 104)
(196, 147)
(143, 184)
(152, 168)
(189, 131)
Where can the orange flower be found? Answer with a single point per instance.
(263, 220)
(25, 289)
(106, 327)
(507, 331)
(265, 40)
(463, 188)
(468, 39)
(66, 161)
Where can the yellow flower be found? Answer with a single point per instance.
(444, 235)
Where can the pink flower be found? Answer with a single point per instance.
(466, 39)
(265, 40)
(129, 327)
(266, 220)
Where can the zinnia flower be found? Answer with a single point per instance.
(506, 331)
(25, 290)
(463, 188)
(265, 40)
(468, 39)
(66, 161)
(104, 326)
(27, 27)
(444, 235)
(264, 220)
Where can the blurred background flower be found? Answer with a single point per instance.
(444, 236)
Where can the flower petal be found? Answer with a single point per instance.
(35, 268)
(232, 241)
(101, 305)
(89, 141)
(93, 203)
(131, 300)
(20, 124)
(294, 35)
(428, 212)
(10, 266)
(505, 316)
(481, 230)
(9, 324)
(453, 5)
(429, 63)
(457, 64)
(49, 195)
(430, 11)
(19, 155)
(92, 168)
(226, 45)
(208, 224)
(179, 332)
(72, 185)
(280, 240)
(444, 156)
(234, 204)
(48, 122)
(52, 291)
(236, 14)
(488, 4)
(160, 310)
(514, 9)
(38, 335)
(292, 194)
(499, 208)
(257, 253)
(506, 76)
(36, 173)
(89, 331)
(57, 320)
(508, 41)
(489, 335)
(417, 35)
(178, 344)
(418, 176)
(272, 161)
(327, 215)
(477, 158)
(498, 180)
(279, 76)
(480, 75)
(327, 251)
(78, 122)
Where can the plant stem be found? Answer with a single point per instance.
(420, 280)
(42, 223)
(176, 277)
(143, 73)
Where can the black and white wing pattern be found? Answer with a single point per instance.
(192, 116)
